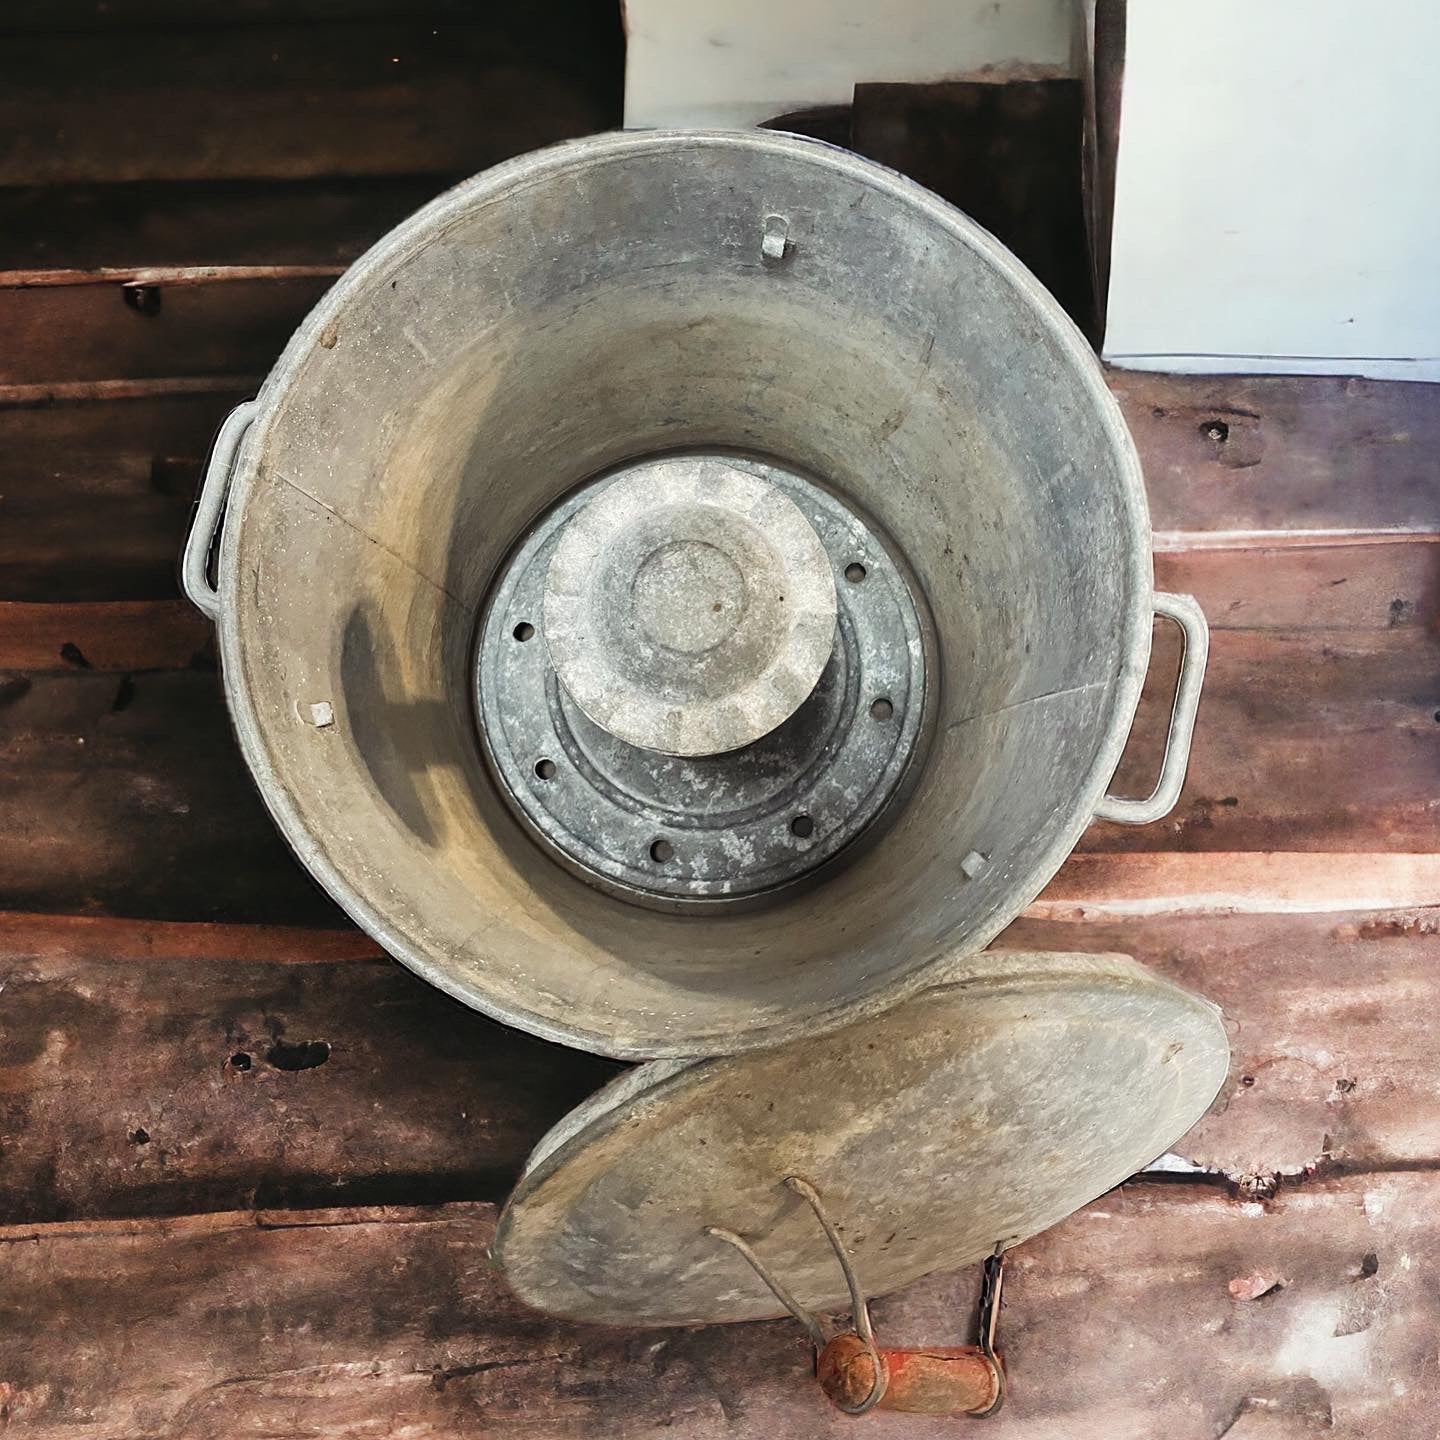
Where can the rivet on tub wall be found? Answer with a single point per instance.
(776, 246)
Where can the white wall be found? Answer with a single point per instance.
(734, 63)
(1277, 200)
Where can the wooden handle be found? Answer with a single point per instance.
(944, 1380)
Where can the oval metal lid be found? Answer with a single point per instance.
(984, 1110)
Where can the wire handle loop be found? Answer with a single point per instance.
(859, 1309)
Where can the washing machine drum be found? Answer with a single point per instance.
(677, 589)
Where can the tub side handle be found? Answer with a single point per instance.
(1185, 611)
(209, 508)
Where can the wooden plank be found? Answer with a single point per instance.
(1307, 742)
(1334, 1023)
(1329, 588)
(118, 635)
(56, 550)
(127, 795)
(1321, 740)
(1120, 1321)
(96, 490)
(218, 1222)
(1307, 453)
(120, 326)
(150, 278)
(65, 392)
(168, 1082)
(122, 1093)
(99, 937)
(1380, 582)
(223, 222)
(1325, 588)
(1103, 79)
(47, 17)
(401, 97)
(1326, 468)
(1100, 886)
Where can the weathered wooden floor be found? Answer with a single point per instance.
(249, 1166)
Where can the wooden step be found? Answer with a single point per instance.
(1306, 740)
(129, 324)
(1344, 466)
(1236, 454)
(1107, 886)
(1125, 1320)
(1294, 581)
(164, 1069)
(111, 635)
(127, 795)
(154, 1068)
(47, 17)
(388, 97)
(1296, 589)
(150, 224)
(97, 484)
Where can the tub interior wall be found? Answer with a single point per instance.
(468, 384)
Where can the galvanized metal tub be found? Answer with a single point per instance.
(623, 296)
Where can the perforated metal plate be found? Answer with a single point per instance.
(983, 1111)
(680, 830)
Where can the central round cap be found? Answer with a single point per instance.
(690, 607)
(689, 596)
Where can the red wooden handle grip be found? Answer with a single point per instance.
(943, 1380)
